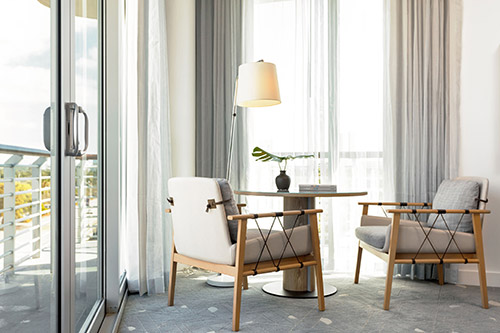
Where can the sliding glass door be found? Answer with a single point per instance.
(87, 165)
(51, 272)
(80, 123)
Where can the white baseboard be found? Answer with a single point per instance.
(470, 277)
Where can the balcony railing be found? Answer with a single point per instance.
(25, 203)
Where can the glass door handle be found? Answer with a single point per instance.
(73, 112)
(80, 110)
(46, 128)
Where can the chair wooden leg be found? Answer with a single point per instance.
(358, 265)
(440, 274)
(320, 288)
(478, 237)
(388, 285)
(172, 277)
(392, 259)
(238, 279)
(482, 283)
(245, 282)
(313, 221)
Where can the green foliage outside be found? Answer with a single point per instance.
(26, 197)
(90, 190)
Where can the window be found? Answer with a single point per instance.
(343, 128)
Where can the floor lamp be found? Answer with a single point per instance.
(256, 86)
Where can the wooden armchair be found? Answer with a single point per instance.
(440, 239)
(202, 239)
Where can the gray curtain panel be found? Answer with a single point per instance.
(423, 99)
(218, 55)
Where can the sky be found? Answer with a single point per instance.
(25, 77)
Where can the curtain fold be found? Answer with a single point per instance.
(218, 55)
(422, 102)
(148, 149)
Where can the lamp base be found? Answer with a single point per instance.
(276, 289)
(221, 281)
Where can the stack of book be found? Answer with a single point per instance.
(317, 188)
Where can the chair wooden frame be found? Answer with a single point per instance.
(240, 270)
(392, 257)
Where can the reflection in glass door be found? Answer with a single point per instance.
(88, 180)
(28, 177)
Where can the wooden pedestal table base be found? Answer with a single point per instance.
(300, 282)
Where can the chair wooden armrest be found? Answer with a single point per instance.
(439, 211)
(274, 214)
(390, 203)
(240, 206)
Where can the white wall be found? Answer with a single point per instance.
(480, 121)
(182, 78)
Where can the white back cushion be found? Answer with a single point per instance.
(197, 233)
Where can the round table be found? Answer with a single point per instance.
(300, 282)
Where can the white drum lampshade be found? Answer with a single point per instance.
(257, 85)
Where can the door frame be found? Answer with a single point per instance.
(63, 77)
(112, 36)
(64, 29)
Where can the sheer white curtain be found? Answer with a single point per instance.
(360, 124)
(147, 146)
(342, 126)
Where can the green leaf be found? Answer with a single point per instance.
(302, 156)
(265, 156)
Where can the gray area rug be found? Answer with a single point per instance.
(416, 306)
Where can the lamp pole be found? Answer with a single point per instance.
(259, 87)
(231, 134)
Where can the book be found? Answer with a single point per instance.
(317, 188)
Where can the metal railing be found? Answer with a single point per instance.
(25, 200)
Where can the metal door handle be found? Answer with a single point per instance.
(72, 130)
(46, 128)
(80, 110)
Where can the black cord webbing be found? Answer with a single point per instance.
(264, 246)
(288, 241)
(453, 236)
(426, 238)
(441, 213)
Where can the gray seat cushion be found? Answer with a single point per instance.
(254, 233)
(373, 235)
(300, 239)
(412, 239)
(230, 207)
(455, 194)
